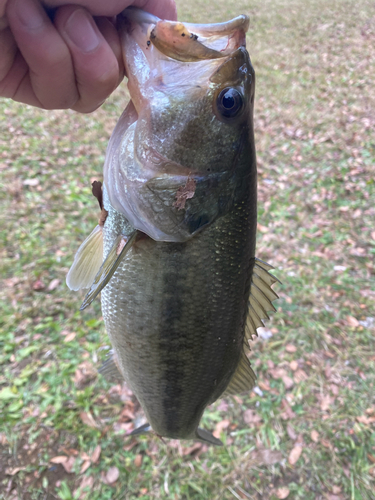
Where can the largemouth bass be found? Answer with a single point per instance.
(181, 289)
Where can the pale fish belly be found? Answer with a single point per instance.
(175, 314)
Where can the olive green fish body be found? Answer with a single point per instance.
(182, 291)
(175, 314)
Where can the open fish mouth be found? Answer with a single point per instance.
(189, 42)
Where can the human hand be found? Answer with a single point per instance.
(73, 62)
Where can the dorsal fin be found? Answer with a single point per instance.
(261, 297)
(87, 261)
(243, 379)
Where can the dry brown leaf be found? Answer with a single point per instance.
(86, 464)
(70, 337)
(11, 471)
(288, 412)
(288, 382)
(294, 455)
(290, 348)
(87, 482)
(291, 432)
(220, 426)
(293, 365)
(96, 454)
(251, 417)
(138, 460)
(112, 475)
(326, 402)
(53, 285)
(314, 436)
(195, 449)
(352, 321)
(299, 376)
(88, 419)
(282, 492)
(38, 285)
(59, 459)
(266, 457)
(69, 464)
(336, 489)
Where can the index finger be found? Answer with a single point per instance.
(3, 19)
(165, 9)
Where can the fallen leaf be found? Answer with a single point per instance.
(10, 471)
(86, 464)
(288, 412)
(31, 182)
(290, 348)
(138, 460)
(293, 365)
(336, 489)
(70, 337)
(314, 436)
(266, 457)
(220, 426)
(288, 382)
(325, 402)
(69, 464)
(299, 376)
(88, 419)
(352, 321)
(282, 492)
(86, 483)
(96, 454)
(193, 449)
(59, 459)
(294, 455)
(112, 475)
(38, 285)
(53, 285)
(291, 432)
(251, 417)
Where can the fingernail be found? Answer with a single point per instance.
(80, 30)
(29, 13)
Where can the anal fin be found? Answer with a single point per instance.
(243, 379)
(118, 251)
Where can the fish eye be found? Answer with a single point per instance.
(229, 102)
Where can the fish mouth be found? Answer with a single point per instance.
(188, 42)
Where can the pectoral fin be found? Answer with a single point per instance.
(243, 379)
(87, 261)
(116, 254)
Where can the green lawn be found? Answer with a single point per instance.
(308, 430)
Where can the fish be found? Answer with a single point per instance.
(173, 255)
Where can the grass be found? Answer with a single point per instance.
(308, 431)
